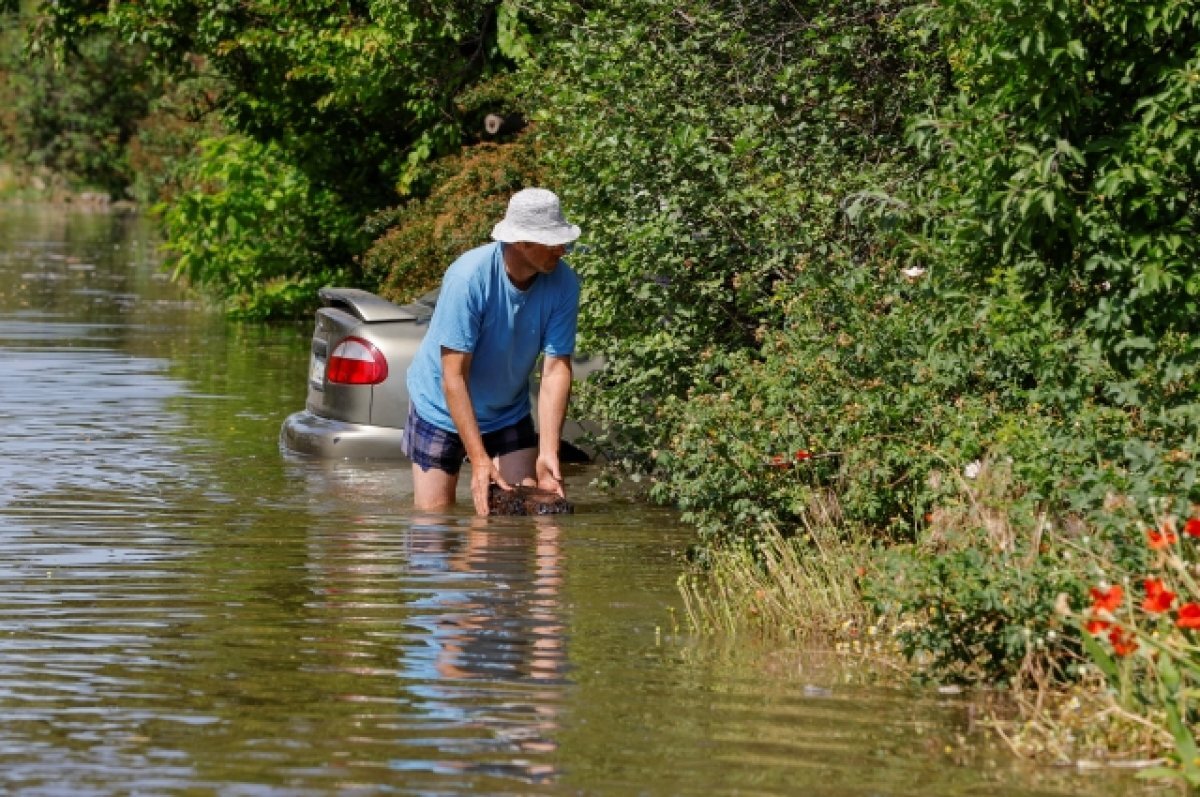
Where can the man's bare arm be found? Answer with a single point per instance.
(456, 365)
(553, 395)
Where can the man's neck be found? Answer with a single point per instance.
(520, 273)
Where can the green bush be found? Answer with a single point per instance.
(423, 237)
(830, 402)
(714, 153)
(771, 269)
(244, 218)
(1059, 239)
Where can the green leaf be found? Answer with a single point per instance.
(512, 38)
(1185, 742)
(1169, 677)
(1048, 203)
(1100, 656)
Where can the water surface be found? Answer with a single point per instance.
(186, 610)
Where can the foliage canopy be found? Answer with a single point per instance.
(358, 97)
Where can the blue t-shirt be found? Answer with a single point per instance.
(505, 329)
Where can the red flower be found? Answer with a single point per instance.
(1122, 643)
(1107, 600)
(1158, 597)
(802, 455)
(1192, 527)
(783, 461)
(1095, 627)
(1189, 616)
(1161, 539)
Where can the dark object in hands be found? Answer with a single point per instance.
(526, 501)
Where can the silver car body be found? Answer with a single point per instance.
(366, 421)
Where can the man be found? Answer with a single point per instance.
(501, 306)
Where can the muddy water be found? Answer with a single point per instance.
(185, 610)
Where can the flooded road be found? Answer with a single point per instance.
(186, 610)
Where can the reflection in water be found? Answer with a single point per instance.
(482, 657)
(81, 418)
(185, 611)
(502, 626)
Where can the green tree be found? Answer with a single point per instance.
(717, 153)
(1059, 236)
(1068, 168)
(424, 236)
(76, 121)
(216, 235)
(358, 96)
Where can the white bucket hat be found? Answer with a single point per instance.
(534, 214)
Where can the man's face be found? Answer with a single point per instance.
(540, 257)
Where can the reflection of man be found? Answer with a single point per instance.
(506, 628)
(512, 626)
(501, 306)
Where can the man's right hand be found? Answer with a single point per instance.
(482, 476)
(455, 367)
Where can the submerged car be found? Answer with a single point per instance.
(357, 395)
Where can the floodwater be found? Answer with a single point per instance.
(186, 610)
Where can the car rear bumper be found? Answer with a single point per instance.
(306, 433)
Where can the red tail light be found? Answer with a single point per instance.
(356, 362)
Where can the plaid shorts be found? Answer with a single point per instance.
(433, 447)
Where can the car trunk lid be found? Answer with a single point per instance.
(349, 312)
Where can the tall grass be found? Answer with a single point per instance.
(785, 588)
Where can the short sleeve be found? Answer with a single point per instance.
(459, 316)
(564, 317)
